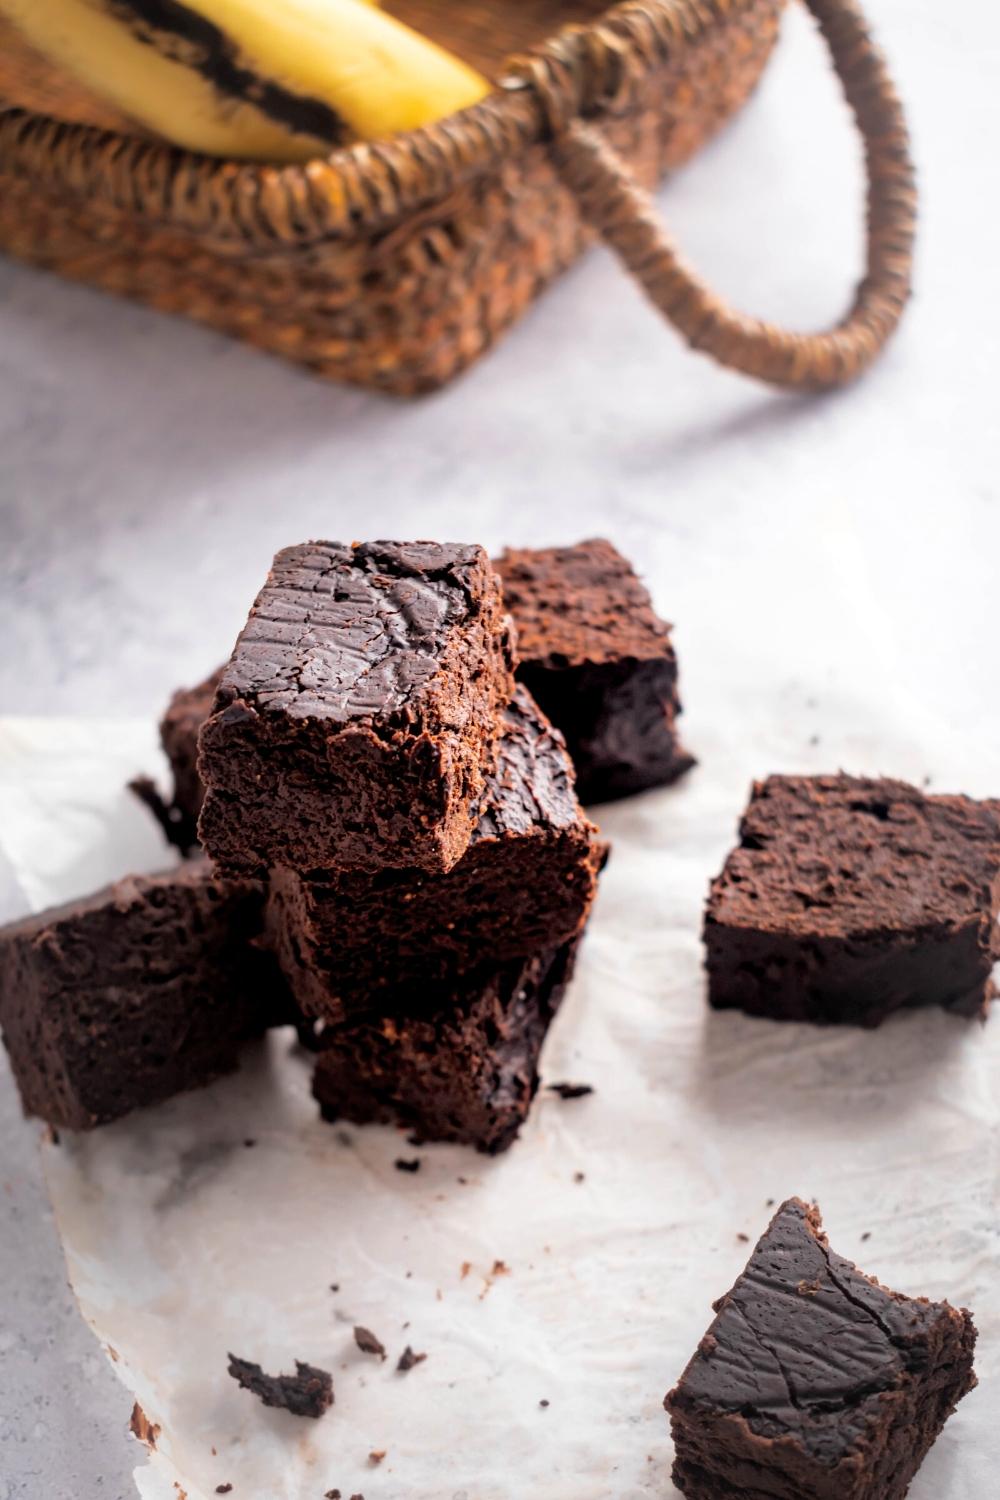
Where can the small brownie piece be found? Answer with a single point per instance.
(459, 1066)
(851, 898)
(814, 1382)
(524, 885)
(307, 1393)
(357, 719)
(600, 663)
(136, 993)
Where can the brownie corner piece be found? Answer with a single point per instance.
(458, 1065)
(138, 992)
(850, 898)
(814, 1382)
(357, 718)
(600, 662)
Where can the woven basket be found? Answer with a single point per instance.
(395, 265)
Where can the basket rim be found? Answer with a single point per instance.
(582, 70)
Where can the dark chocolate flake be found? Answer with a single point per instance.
(408, 1359)
(307, 1393)
(571, 1090)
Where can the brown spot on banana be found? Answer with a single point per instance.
(180, 34)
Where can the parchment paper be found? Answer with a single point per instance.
(578, 1269)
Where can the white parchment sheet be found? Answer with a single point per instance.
(183, 1241)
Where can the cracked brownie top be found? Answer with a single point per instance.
(806, 1346)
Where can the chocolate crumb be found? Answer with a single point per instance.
(368, 1343)
(307, 1393)
(402, 1165)
(867, 1235)
(466, 1268)
(223, 1489)
(579, 1177)
(543, 1403)
(408, 1359)
(332, 1495)
(249, 1142)
(462, 1181)
(571, 1090)
(376, 1456)
(744, 1239)
(335, 1286)
(768, 1202)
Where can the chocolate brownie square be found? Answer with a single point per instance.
(525, 884)
(849, 898)
(814, 1382)
(134, 994)
(458, 1064)
(358, 716)
(600, 663)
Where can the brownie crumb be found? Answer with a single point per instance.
(867, 1235)
(376, 1456)
(368, 1343)
(571, 1090)
(402, 1165)
(335, 1286)
(307, 1393)
(332, 1495)
(223, 1489)
(744, 1239)
(408, 1359)
(543, 1403)
(141, 1427)
(579, 1177)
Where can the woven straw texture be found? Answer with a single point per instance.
(395, 265)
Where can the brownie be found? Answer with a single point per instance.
(525, 884)
(358, 717)
(850, 898)
(814, 1382)
(458, 1065)
(186, 713)
(600, 663)
(134, 994)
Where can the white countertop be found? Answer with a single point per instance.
(150, 469)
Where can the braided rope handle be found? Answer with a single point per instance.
(613, 204)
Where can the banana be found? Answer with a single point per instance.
(271, 80)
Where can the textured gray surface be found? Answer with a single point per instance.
(149, 470)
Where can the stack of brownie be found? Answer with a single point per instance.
(397, 850)
(429, 866)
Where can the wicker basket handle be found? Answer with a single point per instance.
(625, 216)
